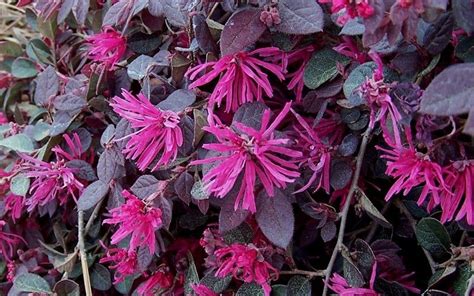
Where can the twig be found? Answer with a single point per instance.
(345, 210)
(307, 273)
(82, 253)
(93, 216)
(412, 222)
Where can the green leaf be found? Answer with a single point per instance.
(9, 48)
(18, 143)
(372, 211)
(19, 185)
(30, 282)
(433, 237)
(216, 284)
(23, 68)
(192, 276)
(100, 278)
(37, 50)
(198, 192)
(250, 290)
(322, 67)
(279, 290)
(461, 282)
(299, 286)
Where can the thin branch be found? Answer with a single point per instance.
(412, 222)
(345, 210)
(83, 256)
(93, 216)
(307, 273)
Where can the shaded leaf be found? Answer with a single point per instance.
(464, 14)
(30, 282)
(216, 284)
(250, 290)
(299, 286)
(47, 86)
(145, 186)
(192, 276)
(433, 237)
(139, 67)
(178, 100)
(92, 194)
(100, 277)
(322, 67)
(300, 17)
(438, 34)
(66, 288)
(82, 169)
(18, 143)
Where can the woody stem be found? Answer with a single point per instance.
(307, 273)
(345, 209)
(83, 256)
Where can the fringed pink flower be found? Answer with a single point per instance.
(241, 76)
(160, 280)
(137, 219)
(245, 263)
(124, 262)
(107, 48)
(376, 92)
(316, 156)
(411, 168)
(14, 205)
(339, 285)
(157, 132)
(353, 9)
(457, 203)
(300, 57)
(8, 242)
(252, 154)
(349, 48)
(203, 290)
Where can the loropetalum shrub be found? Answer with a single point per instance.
(281, 147)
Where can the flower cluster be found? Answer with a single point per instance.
(106, 48)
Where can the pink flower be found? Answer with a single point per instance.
(14, 205)
(316, 155)
(157, 131)
(161, 279)
(339, 285)
(203, 290)
(350, 49)
(3, 118)
(107, 48)
(124, 262)
(241, 77)
(411, 168)
(52, 180)
(300, 57)
(458, 200)
(73, 150)
(253, 153)
(376, 92)
(245, 263)
(353, 9)
(137, 219)
(8, 241)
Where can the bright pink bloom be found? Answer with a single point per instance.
(459, 198)
(124, 262)
(300, 57)
(241, 77)
(107, 48)
(162, 279)
(73, 148)
(245, 263)
(411, 168)
(157, 131)
(353, 9)
(52, 180)
(3, 118)
(316, 155)
(339, 285)
(350, 49)
(376, 92)
(137, 219)
(14, 205)
(203, 290)
(8, 241)
(255, 153)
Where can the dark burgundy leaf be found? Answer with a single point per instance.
(178, 100)
(250, 114)
(110, 165)
(203, 34)
(464, 14)
(365, 258)
(183, 185)
(100, 277)
(229, 218)
(372, 23)
(92, 194)
(145, 186)
(328, 231)
(275, 218)
(341, 174)
(438, 34)
(300, 17)
(242, 30)
(80, 10)
(82, 169)
(47, 86)
(173, 13)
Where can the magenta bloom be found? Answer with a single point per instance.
(245, 263)
(376, 92)
(316, 156)
(107, 48)
(157, 131)
(241, 77)
(411, 169)
(8, 241)
(253, 154)
(137, 219)
(124, 263)
(300, 57)
(203, 290)
(14, 205)
(458, 200)
(74, 148)
(353, 9)
(161, 279)
(339, 285)
(350, 49)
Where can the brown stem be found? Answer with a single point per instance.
(93, 216)
(83, 255)
(345, 210)
(307, 273)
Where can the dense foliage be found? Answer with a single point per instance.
(259, 147)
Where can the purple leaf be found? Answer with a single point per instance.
(83, 170)
(464, 14)
(174, 14)
(117, 13)
(65, 9)
(80, 10)
(341, 173)
(328, 231)
(275, 218)
(47, 86)
(229, 218)
(183, 185)
(92, 194)
(69, 102)
(438, 34)
(155, 7)
(178, 100)
(250, 114)
(145, 186)
(450, 93)
(242, 30)
(372, 23)
(203, 34)
(300, 17)
(469, 124)
(110, 165)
